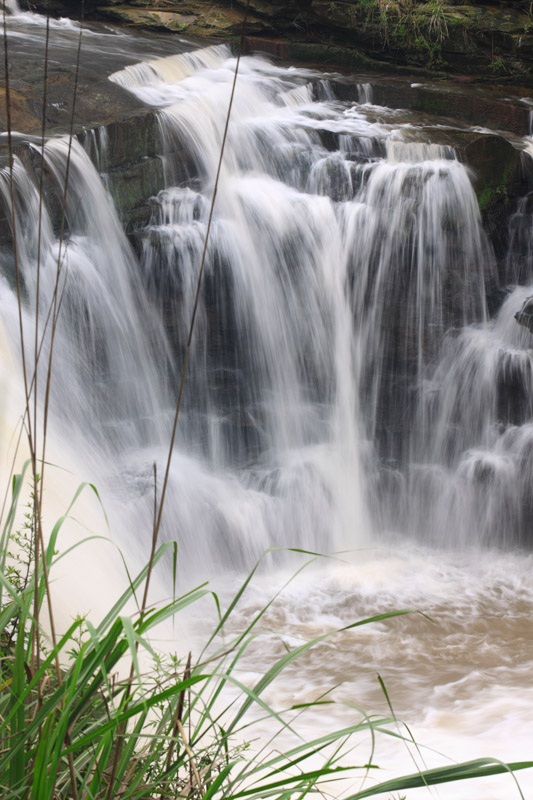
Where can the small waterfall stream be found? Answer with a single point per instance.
(346, 390)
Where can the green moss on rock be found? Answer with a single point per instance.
(498, 179)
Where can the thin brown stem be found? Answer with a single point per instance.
(158, 511)
(61, 239)
(200, 276)
(158, 515)
(14, 229)
(177, 720)
(27, 390)
(14, 216)
(23, 422)
(152, 551)
(55, 313)
(144, 604)
(51, 308)
(192, 762)
(36, 644)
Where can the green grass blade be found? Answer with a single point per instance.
(319, 743)
(16, 488)
(17, 717)
(132, 711)
(285, 660)
(219, 780)
(111, 617)
(479, 768)
(41, 760)
(298, 781)
(132, 640)
(160, 615)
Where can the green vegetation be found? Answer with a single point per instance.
(419, 29)
(490, 196)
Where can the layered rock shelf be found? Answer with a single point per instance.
(449, 112)
(464, 39)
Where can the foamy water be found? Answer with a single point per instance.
(459, 677)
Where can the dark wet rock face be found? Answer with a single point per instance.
(525, 315)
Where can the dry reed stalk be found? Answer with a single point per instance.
(158, 511)
(31, 421)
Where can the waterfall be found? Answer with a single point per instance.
(344, 245)
(349, 387)
(101, 341)
(438, 393)
(12, 6)
(343, 375)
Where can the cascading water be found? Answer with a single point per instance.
(12, 6)
(345, 381)
(332, 275)
(479, 406)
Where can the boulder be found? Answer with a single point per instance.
(525, 315)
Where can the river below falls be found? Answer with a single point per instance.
(282, 441)
(457, 670)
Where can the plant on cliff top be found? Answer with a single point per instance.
(409, 26)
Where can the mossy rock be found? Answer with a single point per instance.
(315, 53)
(506, 20)
(341, 14)
(496, 165)
(131, 140)
(132, 186)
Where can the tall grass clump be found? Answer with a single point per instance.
(82, 716)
